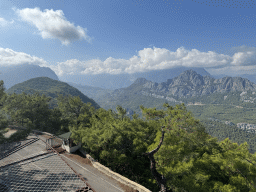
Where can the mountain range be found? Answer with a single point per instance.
(186, 85)
(116, 81)
(189, 87)
(191, 84)
(12, 75)
(200, 93)
(20, 73)
(228, 99)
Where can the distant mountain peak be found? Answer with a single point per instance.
(140, 81)
(12, 75)
(189, 75)
(189, 72)
(189, 83)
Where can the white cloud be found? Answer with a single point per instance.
(159, 58)
(9, 57)
(4, 23)
(53, 24)
(146, 60)
(233, 70)
(244, 58)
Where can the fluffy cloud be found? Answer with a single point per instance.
(147, 59)
(233, 70)
(53, 24)
(154, 59)
(9, 57)
(4, 23)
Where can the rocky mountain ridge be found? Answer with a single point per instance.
(190, 84)
(123, 80)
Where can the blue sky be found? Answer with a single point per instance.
(125, 36)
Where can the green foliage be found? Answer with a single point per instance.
(119, 142)
(215, 105)
(73, 111)
(34, 108)
(50, 88)
(222, 131)
(194, 161)
(3, 118)
(130, 100)
(121, 111)
(189, 158)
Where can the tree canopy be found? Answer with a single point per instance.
(188, 157)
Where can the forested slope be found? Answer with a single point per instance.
(168, 148)
(51, 88)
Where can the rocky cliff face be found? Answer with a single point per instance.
(189, 84)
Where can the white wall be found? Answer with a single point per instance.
(71, 149)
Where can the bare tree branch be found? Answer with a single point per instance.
(161, 180)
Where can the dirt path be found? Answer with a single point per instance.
(9, 133)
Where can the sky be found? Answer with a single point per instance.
(126, 36)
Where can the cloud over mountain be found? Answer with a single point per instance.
(53, 24)
(150, 59)
(8, 57)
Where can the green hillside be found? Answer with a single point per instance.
(92, 92)
(184, 148)
(233, 108)
(223, 106)
(222, 131)
(51, 88)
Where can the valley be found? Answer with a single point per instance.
(226, 112)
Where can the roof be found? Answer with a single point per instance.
(41, 165)
(65, 135)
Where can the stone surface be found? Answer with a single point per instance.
(189, 84)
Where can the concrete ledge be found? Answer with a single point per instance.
(114, 175)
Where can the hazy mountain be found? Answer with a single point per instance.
(188, 86)
(191, 84)
(108, 81)
(12, 75)
(219, 76)
(92, 92)
(251, 78)
(159, 76)
(50, 88)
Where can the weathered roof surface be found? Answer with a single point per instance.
(28, 166)
(65, 135)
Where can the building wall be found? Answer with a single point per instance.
(71, 149)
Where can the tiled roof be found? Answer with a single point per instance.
(28, 166)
